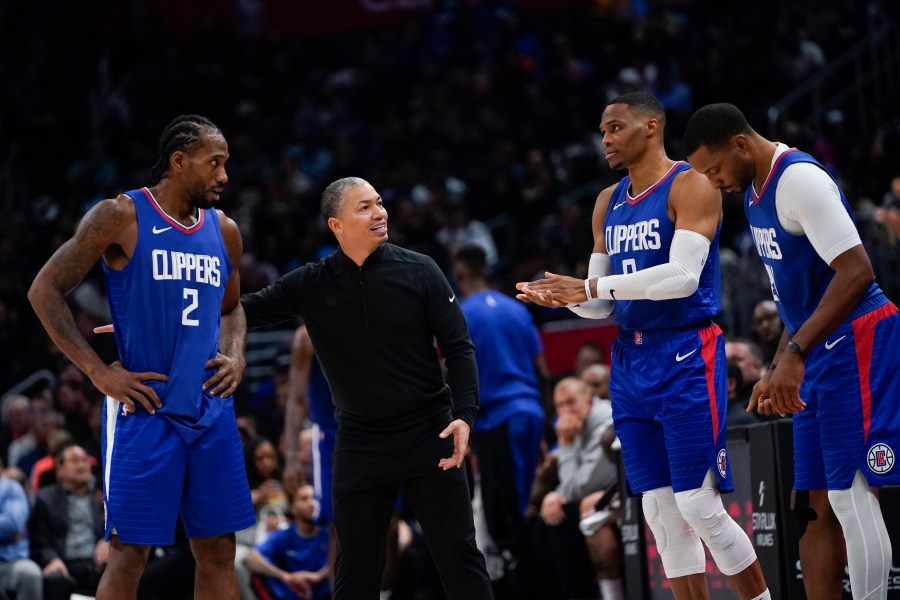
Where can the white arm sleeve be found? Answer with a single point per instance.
(808, 202)
(597, 308)
(677, 278)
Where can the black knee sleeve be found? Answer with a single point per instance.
(803, 512)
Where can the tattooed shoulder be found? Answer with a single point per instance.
(103, 225)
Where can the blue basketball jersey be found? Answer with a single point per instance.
(797, 274)
(638, 234)
(321, 407)
(166, 307)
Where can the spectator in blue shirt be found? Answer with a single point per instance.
(18, 574)
(295, 560)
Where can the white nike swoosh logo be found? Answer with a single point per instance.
(680, 358)
(155, 230)
(830, 345)
(453, 297)
(618, 205)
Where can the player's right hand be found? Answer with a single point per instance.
(127, 387)
(542, 298)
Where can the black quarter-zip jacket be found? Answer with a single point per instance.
(374, 328)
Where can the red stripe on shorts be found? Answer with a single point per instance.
(708, 337)
(864, 338)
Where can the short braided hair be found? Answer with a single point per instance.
(183, 133)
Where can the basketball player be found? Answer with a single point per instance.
(837, 367)
(170, 440)
(655, 261)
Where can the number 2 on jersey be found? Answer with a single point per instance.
(192, 295)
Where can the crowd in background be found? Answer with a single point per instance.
(477, 124)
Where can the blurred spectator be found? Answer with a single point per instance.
(597, 378)
(748, 357)
(589, 353)
(16, 435)
(583, 468)
(889, 211)
(599, 513)
(19, 575)
(43, 473)
(269, 501)
(767, 328)
(737, 407)
(294, 560)
(67, 528)
(73, 403)
(460, 230)
(44, 424)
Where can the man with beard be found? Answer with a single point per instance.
(170, 440)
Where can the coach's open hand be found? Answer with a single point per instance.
(460, 431)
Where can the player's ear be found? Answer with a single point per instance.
(740, 143)
(652, 126)
(177, 160)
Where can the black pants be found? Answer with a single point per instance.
(369, 469)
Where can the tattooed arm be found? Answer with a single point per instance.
(108, 230)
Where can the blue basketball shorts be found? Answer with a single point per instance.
(151, 475)
(669, 398)
(852, 417)
(323, 439)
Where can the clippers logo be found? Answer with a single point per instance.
(722, 462)
(881, 458)
(638, 337)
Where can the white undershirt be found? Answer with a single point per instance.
(807, 201)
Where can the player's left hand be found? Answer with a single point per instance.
(555, 290)
(784, 385)
(460, 431)
(229, 372)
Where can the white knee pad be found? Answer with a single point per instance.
(729, 545)
(679, 547)
(868, 544)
